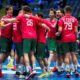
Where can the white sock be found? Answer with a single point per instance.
(48, 68)
(28, 68)
(75, 66)
(48, 64)
(63, 65)
(55, 64)
(34, 66)
(67, 67)
(59, 68)
(78, 64)
(50, 59)
(44, 69)
(72, 68)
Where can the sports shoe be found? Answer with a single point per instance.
(50, 73)
(55, 69)
(14, 68)
(1, 74)
(18, 73)
(77, 73)
(68, 75)
(21, 77)
(10, 64)
(43, 75)
(31, 75)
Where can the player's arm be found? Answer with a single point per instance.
(48, 23)
(60, 24)
(44, 26)
(5, 25)
(76, 30)
(35, 18)
(10, 20)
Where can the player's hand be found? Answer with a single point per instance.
(1, 24)
(57, 34)
(78, 41)
(27, 15)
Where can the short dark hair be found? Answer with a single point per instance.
(40, 14)
(53, 10)
(7, 7)
(26, 8)
(68, 9)
(62, 11)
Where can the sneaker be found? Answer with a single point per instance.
(19, 70)
(21, 77)
(68, 75)
(26, 73)
(54, 69)
(77, 74)
(18, 73)
(43, 75)
(50, 73)
(10, 64)
(14, 68)
(1, 74)
(31, 75)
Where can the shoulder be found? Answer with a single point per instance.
(74, 18)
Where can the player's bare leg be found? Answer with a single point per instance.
(26, 61)
(67, 64)
(46, 64)
(32, 60)
(75, 63)
(1, 62)
(60, 63)
(52, 57)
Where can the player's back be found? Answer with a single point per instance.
(68, 28)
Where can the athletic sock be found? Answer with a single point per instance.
(50, 58)
(48, 64)
(44, 69)
(19, 68)
(75, 66)
(34, 66)
(63, 65)
(28, 68)
(55, 64)
(67, 68)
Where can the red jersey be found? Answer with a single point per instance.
(28, 27)
(68, 24)
(7, 31)
(41, 34)
(51, 33)
(38, 19)
(17, 36)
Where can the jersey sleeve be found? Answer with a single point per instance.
(19, 18)
(37, 18)
(60, 23)
(47, 22)
(76, 23)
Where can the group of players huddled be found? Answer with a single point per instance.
(32, 33)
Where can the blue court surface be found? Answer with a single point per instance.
(10, 75)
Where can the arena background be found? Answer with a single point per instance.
(42, 5)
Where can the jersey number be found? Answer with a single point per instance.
(29, 23)
(68, 26)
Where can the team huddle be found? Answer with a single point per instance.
(34, 37)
